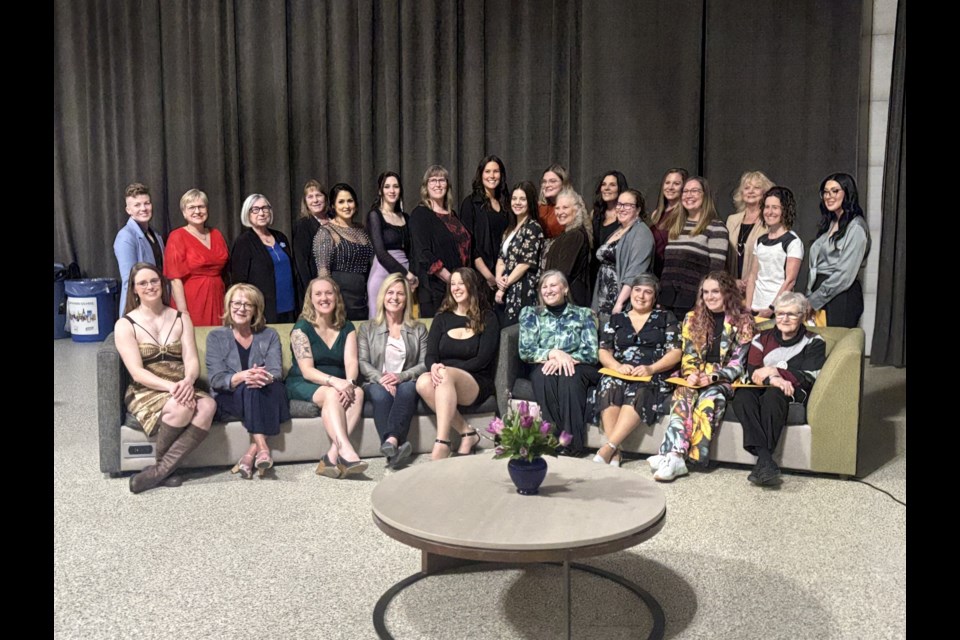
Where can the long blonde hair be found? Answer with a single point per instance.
(310, 314)
(750, 176)
(708, 210)
(388, 282)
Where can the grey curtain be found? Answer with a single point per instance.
(248, 96)
(890, 331)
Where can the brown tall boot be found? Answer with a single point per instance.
(153, 476)
(166, 436)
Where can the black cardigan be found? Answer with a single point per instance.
(250, 262)
(305, 267)
(570, 254)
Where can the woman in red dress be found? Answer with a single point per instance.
(193, 261)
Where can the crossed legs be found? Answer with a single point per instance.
(457, 388)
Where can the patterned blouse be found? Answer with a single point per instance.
(734, 346)
(574, 332)
(523, 248)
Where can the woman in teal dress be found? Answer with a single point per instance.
(325, 370)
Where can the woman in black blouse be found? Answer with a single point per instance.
(461, 358)
(343, 251)
(569, 253)
(387, 226)
(441, 243)
(605, 222)
(484, 214)
(313, 214)
(261, 256)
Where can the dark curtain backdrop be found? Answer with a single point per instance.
(890, 331)
(248, 96)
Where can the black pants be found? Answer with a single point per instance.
(261, 410)
(845, 309)
(563, 399)
(763, 416)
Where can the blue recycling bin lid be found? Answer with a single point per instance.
(91, 287)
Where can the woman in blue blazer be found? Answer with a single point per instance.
(136, 241)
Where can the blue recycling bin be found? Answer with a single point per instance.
(92, 308)
(59, 302)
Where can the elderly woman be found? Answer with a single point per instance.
(559, 339)
(668, 207)
(519, 261)
(569, 252)
(389, 229)
(324, 372)
(745, 225)
(261, 256)
(313, 214)
(787, 359)
(344, 252)
(698, 245)
(461, 361)
(626, 254)
(777, 255)
(485, 215)
(643, 342)
(244, 366)
(839, 253)
(555, 179)
(716, 336)
(157, 347)
(393, 351)
(193, 262)
(441, 243)
(136, 241)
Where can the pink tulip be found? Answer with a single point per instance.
(565, 439)
(523, 408)
(534, 410)
(496, 426)
(545, 428)
(526, 422)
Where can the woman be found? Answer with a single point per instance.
(787, 359)
(668, 207)
(136, 241)
(569, 252)
(560, 339)
(838, 253)
(641, 342)
(343, 251)
(393, 351)
(716, 336)
(698, 245)
(193, 262)
(461, 359)
(485, 215)
(441, 243)
(777, 255)
(244, 366)
(604, 216)
(313, 214)
(555, 179)
(324, 372)
(745, 226)
(626, 254)
(519, 261)
(157, 347)
(261, 256)
(387, 226)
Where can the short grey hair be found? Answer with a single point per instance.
(552, 273)
(646, 280)
(248, 204)
(793, 299)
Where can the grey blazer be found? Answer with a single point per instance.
(223, 357)
(372, 344)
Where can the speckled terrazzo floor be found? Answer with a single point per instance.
(297, 556)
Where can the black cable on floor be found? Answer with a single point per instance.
(880, 490)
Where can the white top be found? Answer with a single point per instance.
(771, 256)
(395, 355)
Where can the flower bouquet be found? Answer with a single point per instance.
(525, 437)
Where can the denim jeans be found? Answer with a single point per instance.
(391, 414)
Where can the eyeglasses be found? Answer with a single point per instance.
(196, 207)
(691, 191)
(830, 192)
(152, 282)
(437, 181)
(265, 208)
(236, 306)
(626, 205)
(786, 315)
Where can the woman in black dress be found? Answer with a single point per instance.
(313, 214)
(343, 251)
(389, 231)
(485, 215)
(461, 358)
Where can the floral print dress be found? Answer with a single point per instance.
(523, 248)
(607, 289)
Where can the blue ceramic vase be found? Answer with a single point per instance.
(528, 476)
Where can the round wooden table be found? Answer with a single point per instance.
(466, 510)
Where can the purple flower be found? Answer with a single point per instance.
(523, 408)
(526, 422)
(496, 426)
(498, 451)
(545, 428)
(523, 452)
(565, 439)
(534, 410)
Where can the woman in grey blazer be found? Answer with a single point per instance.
(244, 366)
(393, 349)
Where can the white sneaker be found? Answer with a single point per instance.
(672, 467)
(655, 461)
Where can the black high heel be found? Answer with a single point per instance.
(473, 449)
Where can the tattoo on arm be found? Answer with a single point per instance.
(301, 345)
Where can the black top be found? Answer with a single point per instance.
(437, 242)
(244, 355)
(486, 226)
(250, 262)
(304, 265)
(386, 237)
(570, 254)
(155, 247)
(476, 354)
(601, 232)
(713, 353)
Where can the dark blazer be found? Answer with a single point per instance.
(372, 344)
(570, 254)
(250, 262)
(304, 266)
(223, 357)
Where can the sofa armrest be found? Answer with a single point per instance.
(508, 365)
(111, 384)
(833, 410)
